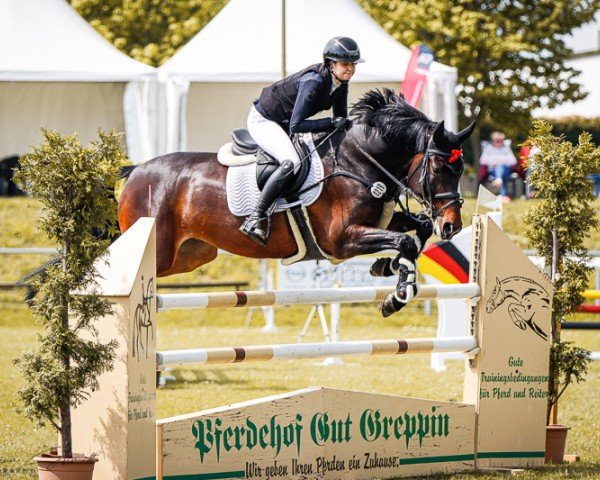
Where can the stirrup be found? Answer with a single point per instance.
(253, 229)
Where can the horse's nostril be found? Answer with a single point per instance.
(447, 229)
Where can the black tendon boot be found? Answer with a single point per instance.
(278, 180)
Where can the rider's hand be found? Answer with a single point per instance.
(340, 122)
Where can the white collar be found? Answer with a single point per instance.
(335, 83)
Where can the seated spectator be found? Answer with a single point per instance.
(526, 164)
(497, 161)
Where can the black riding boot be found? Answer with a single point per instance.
(278, 180)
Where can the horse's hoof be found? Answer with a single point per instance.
(381, 268)
(390, 305)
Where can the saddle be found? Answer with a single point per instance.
(242, 193)
(243, 144)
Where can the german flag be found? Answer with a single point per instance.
(444, 262)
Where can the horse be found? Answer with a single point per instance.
(389, 144)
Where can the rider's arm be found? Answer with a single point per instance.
(308, 89)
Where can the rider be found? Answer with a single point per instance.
(283, 109)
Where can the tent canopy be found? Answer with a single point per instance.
(57, 71)
(46, 40)
(590, 105)
(240, 51)
(243, 43)
(586, 38)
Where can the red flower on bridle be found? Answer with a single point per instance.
(455, 155)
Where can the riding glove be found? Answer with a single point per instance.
(342, 122)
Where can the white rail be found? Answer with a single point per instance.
(263, 353)
(261, 298)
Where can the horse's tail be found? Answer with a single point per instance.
(40, 271)
(101, 233)
(124, 174)
(126, 171)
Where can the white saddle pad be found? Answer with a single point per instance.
(243, 192)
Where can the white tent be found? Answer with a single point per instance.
(586, 38)
(585, 42)
(211, 82)
(590, 105)
(57, 71)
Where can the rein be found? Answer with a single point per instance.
(402, 185)
(404, 189)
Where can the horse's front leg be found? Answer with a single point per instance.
(403, 222)
(360, 240)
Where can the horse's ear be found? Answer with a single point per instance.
(466, 133)
(438, 133)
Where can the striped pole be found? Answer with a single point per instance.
(580, 325)
(263, 353)
(591, 294)
(261, 298)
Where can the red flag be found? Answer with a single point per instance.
(416, 74)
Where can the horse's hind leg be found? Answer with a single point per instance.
(192, 254)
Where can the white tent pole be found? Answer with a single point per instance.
(450, 104)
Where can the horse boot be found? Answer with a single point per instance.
(273, 188)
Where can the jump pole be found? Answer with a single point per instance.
(261, 298)
(321, 432)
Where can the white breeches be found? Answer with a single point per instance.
(272, 138)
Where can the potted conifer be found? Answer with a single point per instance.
(71, 182)
(556, 226)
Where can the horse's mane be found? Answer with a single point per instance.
(395, 119)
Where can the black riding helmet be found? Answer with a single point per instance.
(342, 49)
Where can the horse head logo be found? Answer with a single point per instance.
(142, 320)
(523, 298)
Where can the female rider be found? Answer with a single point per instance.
(283, 109)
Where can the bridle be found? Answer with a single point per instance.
(428, 197)
(455, 167)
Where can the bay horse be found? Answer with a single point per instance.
(388, 142)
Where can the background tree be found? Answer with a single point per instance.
(510, 55)
(557, 226)
(150, 31)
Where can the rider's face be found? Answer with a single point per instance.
(343, 70)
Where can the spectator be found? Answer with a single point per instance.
(526, 163)
(497, 162)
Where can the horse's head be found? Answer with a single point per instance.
(434, 175)
(417, 151)
(496, 298)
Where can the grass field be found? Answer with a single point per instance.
(199, 388)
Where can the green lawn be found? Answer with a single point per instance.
(199, 388)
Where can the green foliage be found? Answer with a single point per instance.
(567, 364)
(560, 175)
(71, 183)
(150, 31)
(572, 127)
(510, 56)
(557, 226)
